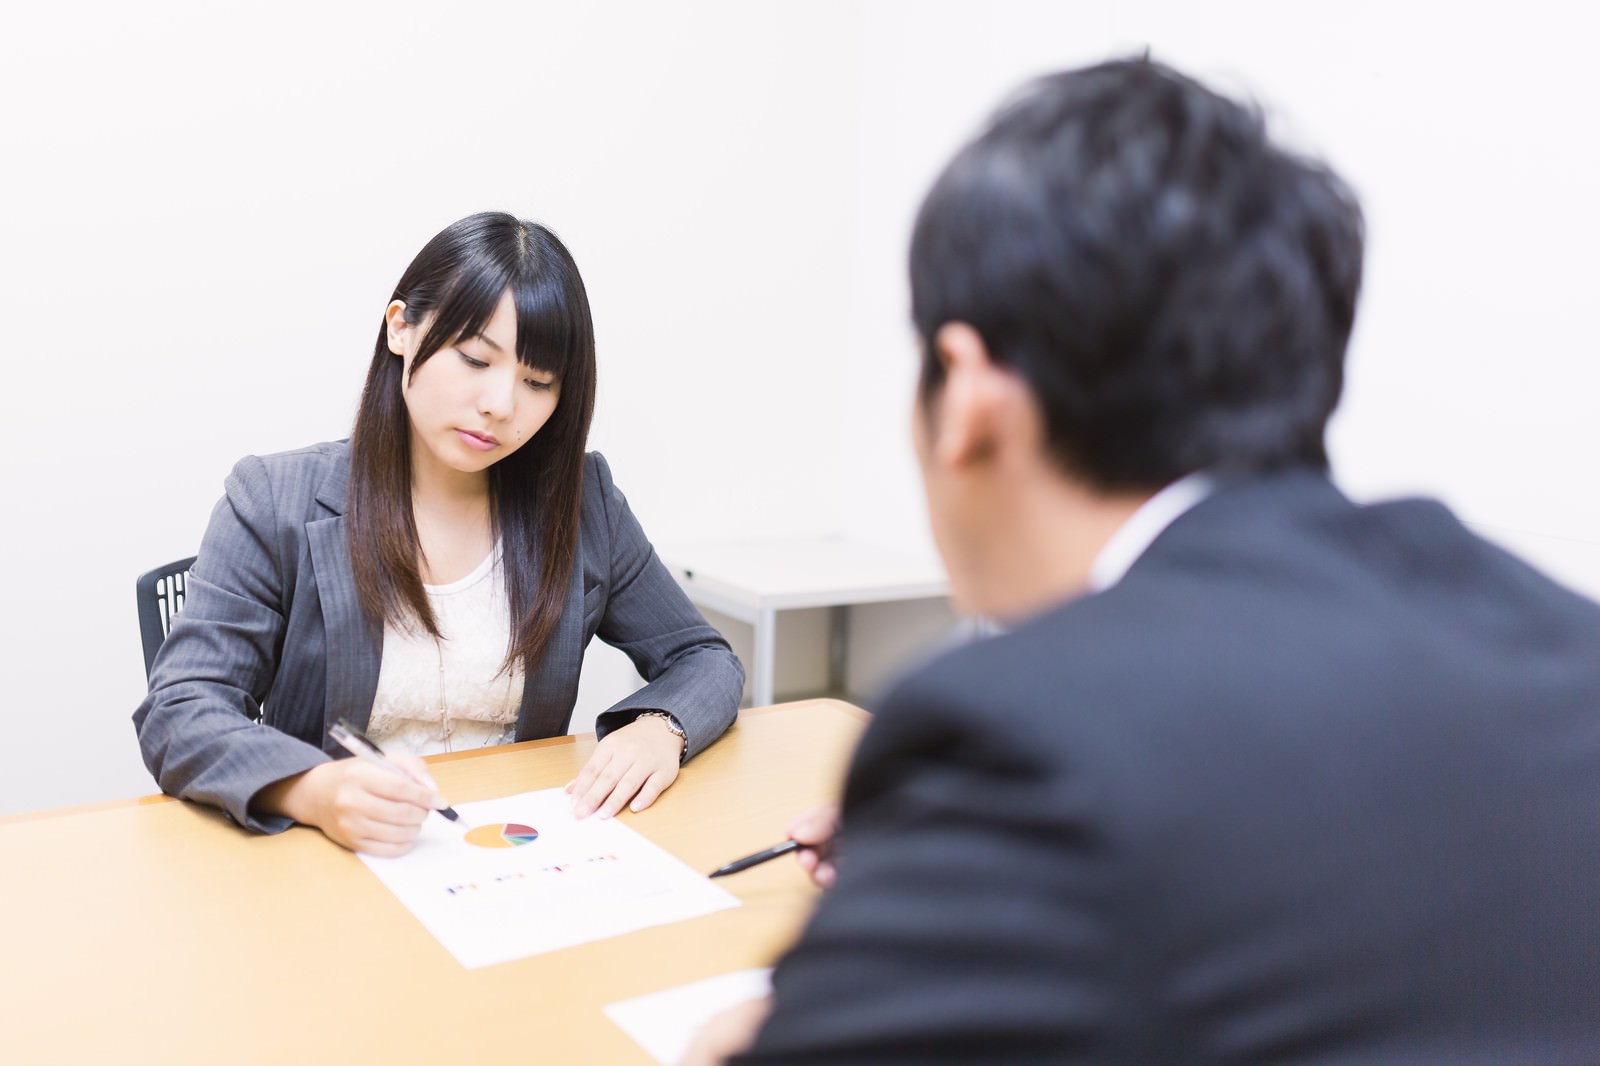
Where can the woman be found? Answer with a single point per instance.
(434, 579)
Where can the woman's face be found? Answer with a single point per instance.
(472, 403)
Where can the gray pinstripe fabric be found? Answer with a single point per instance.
(272, 619)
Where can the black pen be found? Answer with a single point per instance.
(758, 858)
(350, 739)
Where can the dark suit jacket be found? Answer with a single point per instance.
(271, 618)
(1314, 783)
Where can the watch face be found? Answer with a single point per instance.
(667, 720)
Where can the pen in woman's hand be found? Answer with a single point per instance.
(350, 739)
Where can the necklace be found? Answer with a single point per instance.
(447, 728)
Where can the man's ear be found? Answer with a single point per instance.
(394, 318)
(978, 401)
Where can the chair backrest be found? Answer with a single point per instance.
(160, 595)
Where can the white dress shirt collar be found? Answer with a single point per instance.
(1141, 529)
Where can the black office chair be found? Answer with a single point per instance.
(160, 594)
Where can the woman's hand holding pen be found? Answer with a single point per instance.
(358, 805)
(633, 763)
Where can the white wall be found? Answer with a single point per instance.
(206, 211)
(1467, 129)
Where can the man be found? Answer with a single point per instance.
(1256, 774)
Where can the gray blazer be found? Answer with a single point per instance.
(272, 621)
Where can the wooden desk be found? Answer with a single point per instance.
(154, 931)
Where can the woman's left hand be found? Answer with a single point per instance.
(636, 762)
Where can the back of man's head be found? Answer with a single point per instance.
(1176, 290)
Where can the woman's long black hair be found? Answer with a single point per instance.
(536, 492)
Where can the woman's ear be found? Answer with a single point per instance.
(395, 322)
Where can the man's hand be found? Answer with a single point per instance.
(815, 830)
(729, 1033)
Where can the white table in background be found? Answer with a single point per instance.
(753, 580)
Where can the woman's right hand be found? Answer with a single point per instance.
(358, 805)
(815, 830)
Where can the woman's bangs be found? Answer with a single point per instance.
(465, 308)
(549, 332)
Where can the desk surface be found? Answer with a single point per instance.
(153, 930)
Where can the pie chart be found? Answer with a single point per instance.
(502, 835)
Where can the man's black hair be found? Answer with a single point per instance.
(1176, 290)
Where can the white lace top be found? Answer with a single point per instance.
(450, 695)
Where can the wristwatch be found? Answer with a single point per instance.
(672, 727)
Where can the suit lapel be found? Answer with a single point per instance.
(353, 648)
(551, 688)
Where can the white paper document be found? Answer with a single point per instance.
(528, 877)
(664, 1023)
